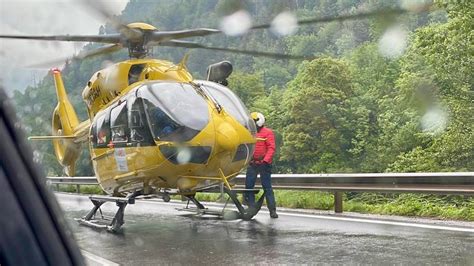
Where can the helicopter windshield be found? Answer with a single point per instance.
(175, 111)
(231, 103)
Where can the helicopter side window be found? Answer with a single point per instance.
(134, 73)
(119, 124)
(139, 132)
(101, 131)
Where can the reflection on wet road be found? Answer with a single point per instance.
(156, 233)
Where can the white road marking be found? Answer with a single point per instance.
(350, 219)
(337, 218)
(427, 226)
(97, 259)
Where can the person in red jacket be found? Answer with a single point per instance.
(261, 163)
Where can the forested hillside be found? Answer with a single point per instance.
(358, 107)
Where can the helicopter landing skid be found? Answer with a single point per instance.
(242, 212)
(111, 224)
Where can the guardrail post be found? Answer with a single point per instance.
(221, 196)
(57, 186)
(78, 188)
(338, 202)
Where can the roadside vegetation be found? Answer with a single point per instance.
(444, 207)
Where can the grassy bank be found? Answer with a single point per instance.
(444, 207)
(84, 189)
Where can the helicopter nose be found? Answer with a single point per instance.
(227, 137)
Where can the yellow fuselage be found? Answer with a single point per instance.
(225, 141)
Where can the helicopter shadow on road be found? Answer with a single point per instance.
(237, 229)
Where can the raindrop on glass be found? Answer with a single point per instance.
(37, 156)
(414, 5)
(138, 242)
(435, 120)
(36, 108)
(237, 23)
(393, 42)
(284, 24)
(183, 156)
(106, 63)
(33, 94)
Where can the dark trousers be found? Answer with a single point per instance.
(265, 171)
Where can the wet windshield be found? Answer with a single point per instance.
(175, 111)
(231, 103)
(369, 102)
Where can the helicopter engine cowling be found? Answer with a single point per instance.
(66, 150)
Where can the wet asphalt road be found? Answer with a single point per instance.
(156, 233)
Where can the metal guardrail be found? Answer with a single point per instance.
(461, 183)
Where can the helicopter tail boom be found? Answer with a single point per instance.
(65, 126)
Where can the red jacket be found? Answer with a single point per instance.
(265, 146)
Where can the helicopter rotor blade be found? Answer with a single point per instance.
(193, 45)
(109, 38)
(159, 36)
(362, 15)
(106, 49)
(101, 10)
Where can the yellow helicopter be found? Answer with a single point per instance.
(153, 129)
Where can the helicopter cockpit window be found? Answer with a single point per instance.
(175, 111)
(231, 103)
(101, 131)
(139, 132)
(118, 123)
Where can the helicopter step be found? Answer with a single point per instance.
(241, 213)
(111, 224)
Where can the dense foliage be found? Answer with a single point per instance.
(354, 109)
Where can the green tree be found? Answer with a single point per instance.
(317, 137)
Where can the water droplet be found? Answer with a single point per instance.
(284, 24)
(36, 107)
(138, 242)
(33, 94)
(237, 23)
(106, 63)
(435, 120)
(183, 156)
(37, 156)
(28, 129)
(393, 42)
(47, 127)
(141, 161)
(414, 5)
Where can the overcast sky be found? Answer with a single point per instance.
(39, 17)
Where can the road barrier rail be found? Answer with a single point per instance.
(460, 183)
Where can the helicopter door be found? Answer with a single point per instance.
(140, 134)
(119, 125)
(120, 138)
(101, 143)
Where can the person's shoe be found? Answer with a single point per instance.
(273, 214)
